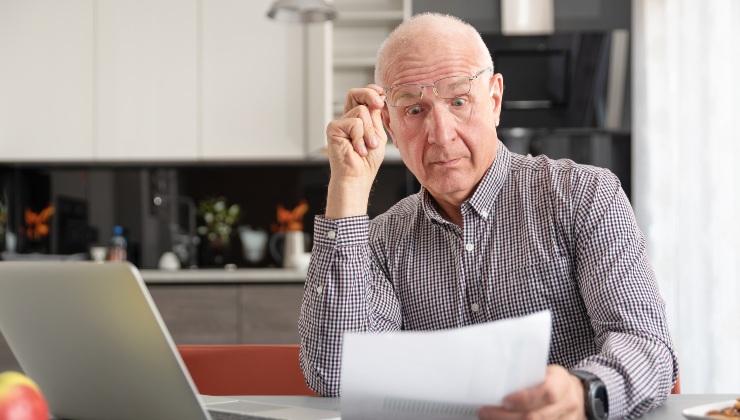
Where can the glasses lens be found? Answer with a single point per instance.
(405, 95)
(452, 87)
(447, 88)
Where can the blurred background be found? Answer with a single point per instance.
(189, 126)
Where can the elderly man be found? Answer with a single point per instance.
(491, 235)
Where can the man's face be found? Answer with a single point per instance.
(448, 144)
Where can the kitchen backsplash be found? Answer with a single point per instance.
(155, 206)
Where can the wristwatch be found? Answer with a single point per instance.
(594, 395)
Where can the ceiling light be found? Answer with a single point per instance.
(302, 11)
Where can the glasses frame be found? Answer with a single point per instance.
(386, 90)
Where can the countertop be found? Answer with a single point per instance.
(214, 275)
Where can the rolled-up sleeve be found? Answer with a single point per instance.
(344, 291)
(636, 361)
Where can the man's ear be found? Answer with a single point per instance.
(385, 115)
(496, 91)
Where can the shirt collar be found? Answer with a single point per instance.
(493, 181)
(485, 194)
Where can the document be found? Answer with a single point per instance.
(444, 374)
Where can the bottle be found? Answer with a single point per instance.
(118, 244)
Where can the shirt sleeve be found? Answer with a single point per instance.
(344, 291)
(636, 361)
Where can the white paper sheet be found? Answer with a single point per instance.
(446, 374)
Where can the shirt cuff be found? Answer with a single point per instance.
(348, 231)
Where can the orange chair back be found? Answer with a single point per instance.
(677, 386)
(245, 369)
(252, 369)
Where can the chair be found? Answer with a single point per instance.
(245, 369)
(252, 369)
(677, 386)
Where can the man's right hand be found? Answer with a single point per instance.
(356, 147)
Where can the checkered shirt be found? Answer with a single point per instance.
(537, 234)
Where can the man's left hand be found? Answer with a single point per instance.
(559, 397)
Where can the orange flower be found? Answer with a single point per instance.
(37, 224)
(288, 220)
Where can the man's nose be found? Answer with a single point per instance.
(440, 125)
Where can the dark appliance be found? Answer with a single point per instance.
(556, 99)
(552, 81)
(72, 225)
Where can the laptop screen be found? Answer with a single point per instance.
(91, 337)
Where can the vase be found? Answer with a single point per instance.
(288, 248)
(214, 254)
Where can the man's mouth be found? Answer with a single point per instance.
(446, 162)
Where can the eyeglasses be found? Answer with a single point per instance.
(446, 88)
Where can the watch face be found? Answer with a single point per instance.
(596, 401)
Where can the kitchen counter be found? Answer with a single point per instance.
(214, 275)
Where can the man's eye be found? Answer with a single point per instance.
(414, 110)
(459, 101)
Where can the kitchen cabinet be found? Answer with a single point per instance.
(252, 83)
(147, 80)
(159, 81)
(46, 69)
(230, 313)
(199, 314)
(208, 80)
(341, 56)
(269, 313)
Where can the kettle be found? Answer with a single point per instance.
(289, 248)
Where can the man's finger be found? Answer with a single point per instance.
(369, 96)
(557, 385)
(342, 132)
(370, 131)
(377, 118)
(358, 136)
(498, 413)
(528, 399)
(551, 412)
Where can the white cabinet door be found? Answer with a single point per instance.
(341, 56)
(46, 90)
(320, 86)
(147, 80)
(253, 88)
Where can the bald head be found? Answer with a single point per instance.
(425, 35)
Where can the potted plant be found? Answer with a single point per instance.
(218, 221)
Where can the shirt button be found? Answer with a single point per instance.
(319, 289)
(469, 247)
(474, 307)
(331, 234)
(484, 214)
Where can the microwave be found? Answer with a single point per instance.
(563, 80)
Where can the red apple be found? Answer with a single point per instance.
(20, 398)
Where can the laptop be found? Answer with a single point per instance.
(92, 338)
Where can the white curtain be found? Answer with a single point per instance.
(686, 177)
